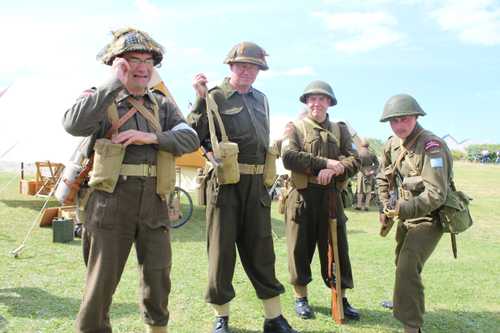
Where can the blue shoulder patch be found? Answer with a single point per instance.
(437, 162)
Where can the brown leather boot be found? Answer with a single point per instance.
(156, 329)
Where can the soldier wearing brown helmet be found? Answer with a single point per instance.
(366, 175)
(141, 128)
(416, 168)
(238, 214)
(319, 153)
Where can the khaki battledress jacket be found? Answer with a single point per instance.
(133, 214)
(422, 180)
(307, 210)
(238, 215)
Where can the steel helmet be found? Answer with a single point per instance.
(247, 52)
(130, 40)
(400, 106)
(319, 88)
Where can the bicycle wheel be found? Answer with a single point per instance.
(180, 207)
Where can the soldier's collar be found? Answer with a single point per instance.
(230, 91)
(124, 94)
(325, 124)
(412, 138)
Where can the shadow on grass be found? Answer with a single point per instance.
(6, 238)
(435, 321)
(31, 204)
(38, 303)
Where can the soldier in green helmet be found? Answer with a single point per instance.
(238, 214)
(413, 182)
(321, 156)
(146, 126)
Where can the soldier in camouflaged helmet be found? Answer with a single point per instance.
(238, 215)
(130, 40)
(417, 165)
(132, 213)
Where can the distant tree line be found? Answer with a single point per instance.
(484, 153)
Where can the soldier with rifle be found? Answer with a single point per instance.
(321, 157)
(413, 182)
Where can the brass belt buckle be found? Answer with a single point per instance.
(147, 170)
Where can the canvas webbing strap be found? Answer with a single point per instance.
(151, 117)
(335, 133)
(117, 122)
(404, 151)
(212, 107)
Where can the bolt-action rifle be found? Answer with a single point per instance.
(333, 259)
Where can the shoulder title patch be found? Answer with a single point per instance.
(431, 145)
(87, 92)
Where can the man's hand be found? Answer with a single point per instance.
(134, 137)
(337, 167)
(121, 68)
(200, 85)
(325, 176)
(391, 213)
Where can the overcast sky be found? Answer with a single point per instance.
(444, 53)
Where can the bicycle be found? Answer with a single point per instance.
(179, 204)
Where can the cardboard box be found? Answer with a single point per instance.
(48, 215)
(28, 187)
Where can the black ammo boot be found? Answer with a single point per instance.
(349, 311)
(302, 308)
(221, 325)
(278, 325)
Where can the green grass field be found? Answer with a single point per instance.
(41, 290)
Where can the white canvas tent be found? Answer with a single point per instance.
(31, 123)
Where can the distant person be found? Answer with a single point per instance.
(126, 207)
(366, 176)
(418, 165)
(498, 157)
(485, 156)
(239, 212)
(320, 152)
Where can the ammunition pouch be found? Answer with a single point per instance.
(227, 171)
(81, 202)
(299, 180)
(454, 215)
(165, 173)
(269, 174)
(108, 158)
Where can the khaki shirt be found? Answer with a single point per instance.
(88, 117)
(310, 156)
(425, 173)
(245, 118)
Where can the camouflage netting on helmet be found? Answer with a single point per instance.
(400, 106)
(319, 88)
(130, 40)
(247, 52)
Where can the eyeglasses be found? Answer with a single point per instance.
(137, 61)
